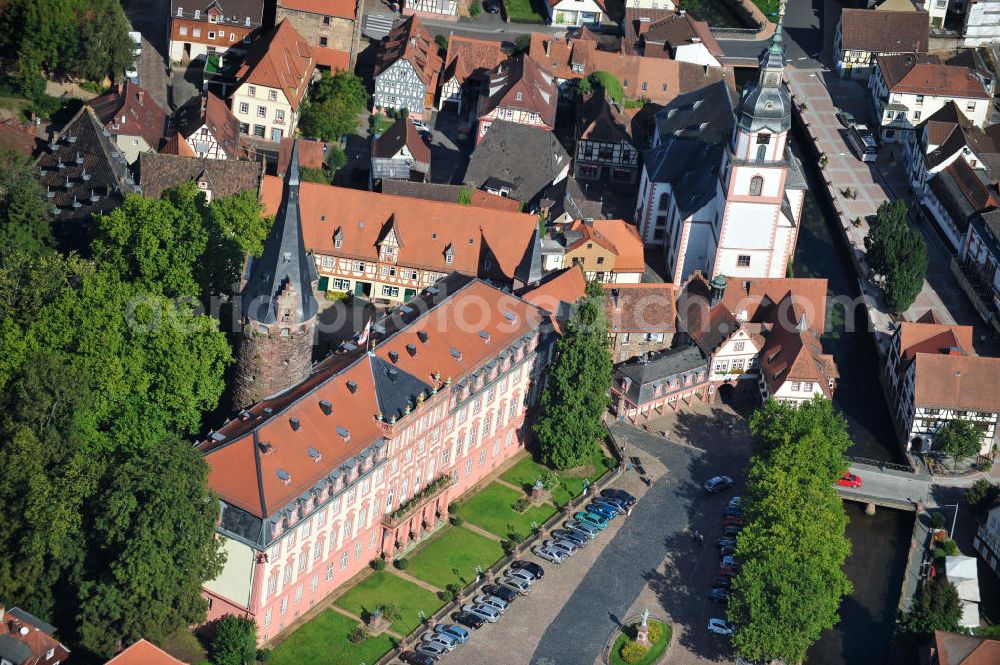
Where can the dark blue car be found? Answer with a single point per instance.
(604, 511)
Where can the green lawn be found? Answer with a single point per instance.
(452, 556)
(493, 510)
(383, 588)
(323, 641)
(527, 471)
(525, 11)
(382, 123)
(655, 651)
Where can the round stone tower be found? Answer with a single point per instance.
(278, 307)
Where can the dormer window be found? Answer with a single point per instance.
(338, 238)
(180, 11)
(449, 254)
(197, 13)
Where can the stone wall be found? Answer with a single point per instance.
(269, 362)
(339, 33)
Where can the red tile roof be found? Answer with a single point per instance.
(332, 58)
(468, 56)
(211, 111)
(933, 338)
(311, 154)
(521, 83)
(403, 132)
(339, 8)
(142, 116)
(358, 387)
(19, 138)
(424, 229)
(962, 382)
(411, 42)
(884, 31)
(563, 288)
(942, 81)
(679, 29)
(280, 59)
(647, 307)
(792, 354)
(24, 632)
(144, 653)
(959, 649)
(618, 237)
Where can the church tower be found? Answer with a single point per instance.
(763, 188)
(278, 309)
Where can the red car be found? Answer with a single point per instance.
(849, 480)
(732, 520)
(727, 571)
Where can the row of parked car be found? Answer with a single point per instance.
(494, 600)
(732, 523)
(585, 525)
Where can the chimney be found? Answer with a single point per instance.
(644, 23)
(141, 94)
(682, 12)
(547, 47)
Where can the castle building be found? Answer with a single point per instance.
(721, 191)
(278, 307)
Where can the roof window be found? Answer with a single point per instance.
(326, 406)
(294, 422)
(284, 477)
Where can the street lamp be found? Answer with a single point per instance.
(954, 519)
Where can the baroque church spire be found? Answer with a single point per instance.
(768, 104)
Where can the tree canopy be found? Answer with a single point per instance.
(23, 221)
(79, 38)
(576, 389)
(935, 607)
(332, 108)
(235, 641)
(793, 546)
(897, 252)
(958, 439)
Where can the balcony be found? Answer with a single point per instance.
(412, 506)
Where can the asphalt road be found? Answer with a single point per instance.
(635, 557)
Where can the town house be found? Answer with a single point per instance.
(980, 258)
(134, 120)
(400, 153)
(862, 34)
(469, 61)
(271, 84)
(518, 90)
(604, 148)
(202, 28)
(641, 318)
(205, 127)
(406, 69)
(328, 26)
(675, 35)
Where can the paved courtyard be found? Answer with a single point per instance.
(645, 560)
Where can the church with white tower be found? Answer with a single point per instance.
(721, 191)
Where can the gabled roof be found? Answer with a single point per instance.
(144, 653)
(884, 31)
(285, 449)
(209, 110)
(895, 67)
(520, 83)
(795, 353)
(961, 649)
(526, 158)
(558, 55)
(312, 152)
(238, 9)
(470, 57)
(128, 109)
(402, 132)
(284, 264)
(24, 638)
(940, 338)
(559, 292)
(962, 382)
(962, 192)
(599, 119)
(449, 194)
(19, 138)
(429, 228)
(941, 81)
(158, 172)
(646, 307)
(674, 30)
(279, 59)
(951, 131)
(411, 42)
(639, 377)
(615, 235)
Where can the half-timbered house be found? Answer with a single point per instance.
(518, 90)
(407, 69)
(469, 61)
(604, 148)
(206, 128)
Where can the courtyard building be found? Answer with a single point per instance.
(863, 34)
(328, 26)
(203, 28)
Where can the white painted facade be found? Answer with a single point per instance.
(735, 359)
(982, 23)
(399, 87)
(981, 249)
(792, 391)
(204, 144)
(263, 112)
(650, 4)
(570, 13)
(697, 53)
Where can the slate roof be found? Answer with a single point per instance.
(402, 132)
(240, 9)
(599, 119)
(356, 385)
(84, 157)
(663, 368)
(411, 42)
(884, 31)
(209, 109)
(284, 263)
(158, 172)
(567, 197)
(693, 130)
(448, 194)
(520, 75)
(527, 158)
(987, 225)
(962, 193)
(279, 59)
(142, 117)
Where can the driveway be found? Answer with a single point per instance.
(645, 560)
(149, 18)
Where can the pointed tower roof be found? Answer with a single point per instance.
(768, 105)
(284, 267)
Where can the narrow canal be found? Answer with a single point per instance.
(880, 542)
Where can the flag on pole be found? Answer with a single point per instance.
(363, 337)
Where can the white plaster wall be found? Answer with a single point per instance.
(236, 579)
(743, 176)
(748, 226)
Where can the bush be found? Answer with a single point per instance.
(441, 41)
(454, 589)
(90, 86)
(522, 505)
(401, 563)
(633, 652)
(263, 655)
(474, 8)
(655, 631)
(377, 564)
(456, 520)
(446, 596)
(334, 296)
(945, 548)
(358, 635)
(938, 520)
(235, 641)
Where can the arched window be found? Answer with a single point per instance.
(756, 185)
(761, 153)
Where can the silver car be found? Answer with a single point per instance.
(564, 546)
(517, 584)
(482, 611)
(520, 574)
(499, 604)
(550, 554)
(583, 529)
(430, 650)
(440, 639)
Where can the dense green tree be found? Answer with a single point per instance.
(153, 548)
(793, 546)
(576, 390)
(23, 221)
(982, 496)
(897, 252)
(81, 38)
(935, 607)
(958, 439)
(332, 108)
(235, 641)
(611, 85)
(237, 228)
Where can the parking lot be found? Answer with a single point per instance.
(648, 559)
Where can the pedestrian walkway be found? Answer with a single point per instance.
(415, 580)
(481, 531)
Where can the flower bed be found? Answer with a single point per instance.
(659, 637)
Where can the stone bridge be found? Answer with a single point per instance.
(889, 485)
